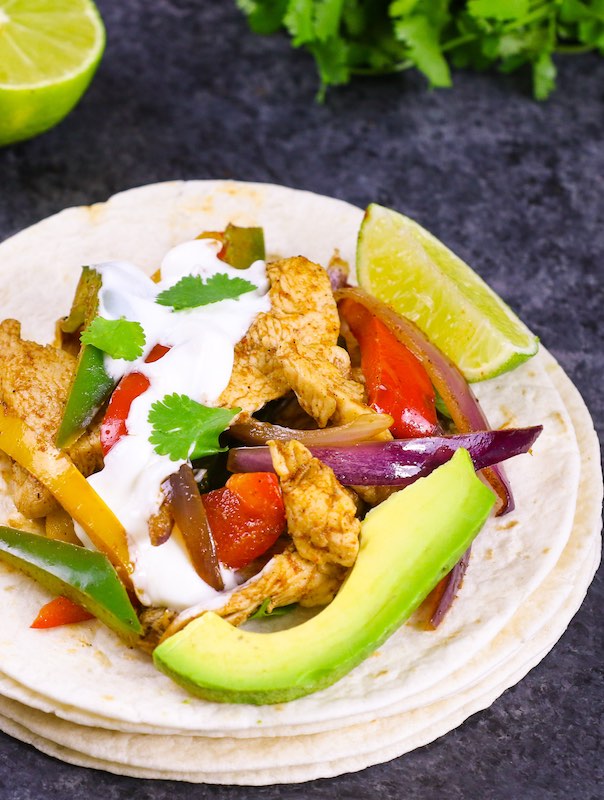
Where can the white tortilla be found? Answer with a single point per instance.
(102, 671)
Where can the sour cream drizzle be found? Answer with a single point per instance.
(198, 364)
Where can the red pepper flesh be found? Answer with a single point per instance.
(113, 426)
(246, 517)
(129, 388)
(397, 383)
(60, 611)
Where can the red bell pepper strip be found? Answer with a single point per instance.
(397, 383)
(246, 517)
(113, 426)
(446, 379)
(129, 388)
(60, 611)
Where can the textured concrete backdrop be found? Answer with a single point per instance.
(515, 187)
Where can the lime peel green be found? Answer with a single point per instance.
(47, 60)
(403, 264)
(408, 543)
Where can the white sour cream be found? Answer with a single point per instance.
(199, 365)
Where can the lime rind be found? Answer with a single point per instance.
(47, 60)
(401, 263)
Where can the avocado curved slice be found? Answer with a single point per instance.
(408, 543)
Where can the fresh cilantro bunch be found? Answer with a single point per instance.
(376, 37)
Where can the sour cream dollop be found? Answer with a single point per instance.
(199, 364)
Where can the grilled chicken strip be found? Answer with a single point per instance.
(34, 382)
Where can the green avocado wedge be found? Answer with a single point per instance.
(408, 543)
(84, 576)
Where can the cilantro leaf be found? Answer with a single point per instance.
(262, 18)
(261, 612)
(361, 37)
(424, 49)
(185, 429)
(192, 292)
(502, 9)
(544, 76)
(119, 338)
(328, 14)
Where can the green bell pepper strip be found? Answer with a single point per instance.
(240, 246)
(82, 575)
(91, 385)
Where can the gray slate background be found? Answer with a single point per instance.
(515, 187)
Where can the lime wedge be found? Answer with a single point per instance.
(49, 50)
(400, 263)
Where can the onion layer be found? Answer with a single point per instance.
(402, 461)
(365, 427)
(189, 515)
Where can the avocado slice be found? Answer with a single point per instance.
(407, 544)
(82, 575)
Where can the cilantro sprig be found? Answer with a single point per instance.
(192, 291)
(262, 611)
(186, 429)
(364, 37)
(119, 338)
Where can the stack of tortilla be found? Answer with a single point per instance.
(80, 694)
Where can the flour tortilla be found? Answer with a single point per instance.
(298, 758)
(87, 671)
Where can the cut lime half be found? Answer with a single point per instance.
(49, 51)
(403, 264)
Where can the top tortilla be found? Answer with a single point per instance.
(85, 665)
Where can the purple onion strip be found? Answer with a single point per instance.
(454, 580)
(402, 461)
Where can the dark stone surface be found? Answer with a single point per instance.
(184, 91)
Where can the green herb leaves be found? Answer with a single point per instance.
(192, 291)
(119, 338)
(185, 429)
(350, 37)
(262, 611)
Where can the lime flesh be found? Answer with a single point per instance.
(403, 264)
(49, 51)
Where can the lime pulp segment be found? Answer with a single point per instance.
(403, 264)
(49, 50)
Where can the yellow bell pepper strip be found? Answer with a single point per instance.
(67, 484)
(240, 246)
(91, 385)
(84, 576)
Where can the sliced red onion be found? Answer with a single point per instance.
(446, 379)
(448, 588)
(189, 515)
(252, 431)
(402, 461)
(338, 276)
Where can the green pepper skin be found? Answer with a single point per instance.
(242, 246)
(82, 575)
(85, 301)
(91, 386)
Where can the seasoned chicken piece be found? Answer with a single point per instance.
(325, 541)
(303, 313)
(287, 578)
(320, 512)
(323, 389)
(34, 381)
